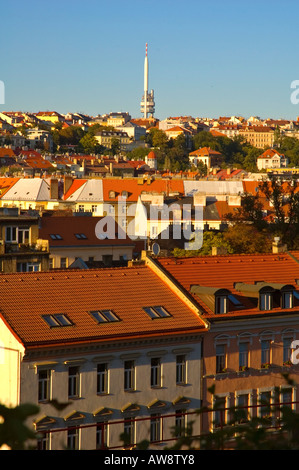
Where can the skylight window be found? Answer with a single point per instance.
(57, 320)
(104, 316)
(235, 301)
(80, 236)
(55, 236)
(156, 312)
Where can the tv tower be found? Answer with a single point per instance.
(147, 105)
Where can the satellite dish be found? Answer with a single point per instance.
(156, 249)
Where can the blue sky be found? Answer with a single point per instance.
(206, 58)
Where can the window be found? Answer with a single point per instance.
(94, 208)
(56, 236)
(74, 382)
(243, 356)
(287, 300)
(43, 443)
(11, 234)
(156, 312)
(220, 358)
(28, 267)
(129, 375)
(287, 397)
(287, 350)
(243, 404)
(63, 263)
(181, 372)
(155, 428)
(81, 208)
(265, 352)
(23, 235)
(102, 435)
(180, 423)
(221, 304)
(44, 377)
(265, 402)
(104, 316)
(80, 236)
(102, 378)
(129, 431)
(220, 412)
(266, 301)
(73, 439)
(58, 319)
(155, 372)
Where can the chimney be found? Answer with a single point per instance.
(278, 247)
(54, 188)
(67, 183)
(219, 250)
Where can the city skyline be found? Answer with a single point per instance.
(206, 60)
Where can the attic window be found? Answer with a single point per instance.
(80, 236)
(55, 236)
(104, 316)
(236, 302)
(221, 304)
(58, 319)
(266, 301)
(156, 312)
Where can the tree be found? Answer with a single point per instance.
(284, 196)
(245, 238)
(210, 239)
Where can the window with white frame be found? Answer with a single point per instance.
(102, 435)
(265, 352)
(180, 423)
(102, 378)
(243, 355)
(44, 383)
(156, 372)
(287, 350)
(220, 411)
(266, 301)
(155, 428)
(221, 304)
(243, 403)
(74, 382)
(129, 375)
(11, 234)
(43, 442)
(181, 369)
(265, 398)
(287, 299)
(220, 358)
(73, 439)
(129, 431)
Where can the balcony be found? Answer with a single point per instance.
(10, 248)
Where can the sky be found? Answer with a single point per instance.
(206, 58)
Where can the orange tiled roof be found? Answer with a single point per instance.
(7, 152)
(76, 184)
(227, 270)
(67, 227)
(205, 151)
(25, 297)
(134, 188)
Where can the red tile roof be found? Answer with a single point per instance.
(25, 297)
(68, 226)
(226, 271)
(135, 188)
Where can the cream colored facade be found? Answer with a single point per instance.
(260, 138)
(63, 257)
(11, 354)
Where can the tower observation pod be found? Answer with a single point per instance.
(147, 105)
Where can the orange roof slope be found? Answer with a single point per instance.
(69, 227)
(26, 297)
(135, 188)
(225, 271)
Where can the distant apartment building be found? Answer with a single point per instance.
(134, 131)
(271, 159)
(106, 139)
(38, 138)
(258, 136)
(50, 116)
(21, 248)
